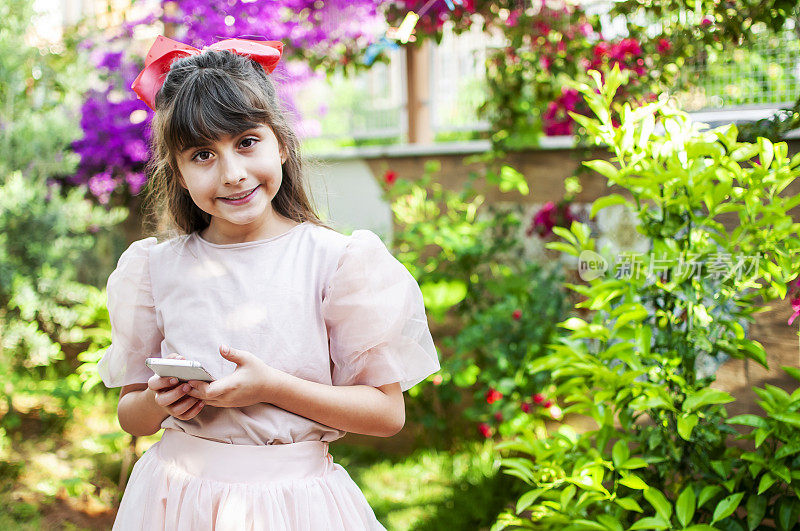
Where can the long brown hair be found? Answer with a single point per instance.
(205, 97)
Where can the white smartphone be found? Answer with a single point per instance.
(183, 370)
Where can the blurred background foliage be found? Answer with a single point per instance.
(66, 207)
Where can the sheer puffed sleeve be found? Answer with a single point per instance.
(134, 333)
(375, 317)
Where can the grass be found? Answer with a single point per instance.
(430, 489)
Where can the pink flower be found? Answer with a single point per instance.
(526, 407)
(545, 62)
(516, 315)
(706, 22)
(542, 28)
(437, 380)
(796, 308)
(663, 46)
(493, 395)
(586, 29)
(485, 430)
(547, 404)
(537, 398)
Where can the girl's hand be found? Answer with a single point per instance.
(172, 395)
(249, 384)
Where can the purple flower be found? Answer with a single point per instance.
(101, 186)
(137, 151)
(135, 181)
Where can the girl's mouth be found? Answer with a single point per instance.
(240, 200)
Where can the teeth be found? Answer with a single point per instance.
(238, 196)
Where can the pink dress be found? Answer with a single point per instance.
(329, 308)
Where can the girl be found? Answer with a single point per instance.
(308, 333)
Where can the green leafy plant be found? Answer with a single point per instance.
(659, 457)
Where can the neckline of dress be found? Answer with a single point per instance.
(250, 243)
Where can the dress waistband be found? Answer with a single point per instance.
(239, 463)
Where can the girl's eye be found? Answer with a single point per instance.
(201, 159)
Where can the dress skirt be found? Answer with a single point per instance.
(185, 482)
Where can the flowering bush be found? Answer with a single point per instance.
(115, 123)
(659, 458)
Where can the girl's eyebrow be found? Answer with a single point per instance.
(246, 131)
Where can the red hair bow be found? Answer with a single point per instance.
(165, 51)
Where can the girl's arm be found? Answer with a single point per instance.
(378, 411)
(137, 410)
(143, 407)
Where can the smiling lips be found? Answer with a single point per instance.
(240, 195)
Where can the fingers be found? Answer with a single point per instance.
(169, 397)
(177, 403)
(157, 383)
(190, 406)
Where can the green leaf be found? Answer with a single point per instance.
(629, 504)
(767, 480)
(704, 397)
(606, 201)
(610, 522)
(787, 449)
(528, 498)
(684, 507)
(511, 179)
(633, 482)
(707, 493)
(633, 463)
(786, 518)
(788, 418)
(748, 420)
(727, 506)
(440, 296)
(587, 524)
(604, 168)
(620, 453)
(760, 435)
(659, 502)
(653, 522)
(686, 425)
(766, 152)
(756, 509)
(794, 372)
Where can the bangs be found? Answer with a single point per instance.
(210, 107)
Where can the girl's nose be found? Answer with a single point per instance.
(232, 170)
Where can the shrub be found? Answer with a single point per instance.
(660, 458)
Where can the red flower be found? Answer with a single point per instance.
(705, 22)
(516, 315)
(437, 380)
(493, 395)
(498, 416)
(537, 398)
(390, 177)
(549, 216)
(664, 46)
(547, 404)
(485, 430)
(526, 407)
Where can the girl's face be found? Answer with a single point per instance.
(228, 168)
